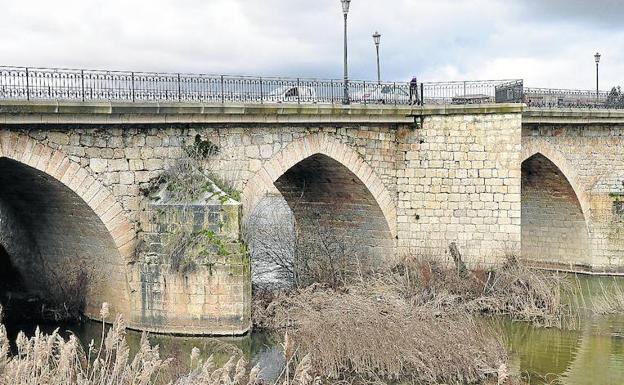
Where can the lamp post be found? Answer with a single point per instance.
(345, 12)
(597, 58)
(377, 40)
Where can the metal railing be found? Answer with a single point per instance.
(464, 92)
(95, 85)
(567, 98)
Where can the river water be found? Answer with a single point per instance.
(591, 354)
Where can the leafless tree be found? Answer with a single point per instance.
(290, 252)
(272, 238)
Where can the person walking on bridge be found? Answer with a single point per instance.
(413, 91)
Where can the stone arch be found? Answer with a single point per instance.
(262, 182)
(555, 228)
(559, 160)
(86, 200)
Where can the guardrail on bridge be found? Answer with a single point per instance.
(97, 85)
(93, 85)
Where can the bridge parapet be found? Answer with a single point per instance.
(79, 84)
(111, 112)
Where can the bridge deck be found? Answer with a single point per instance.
(67, 112)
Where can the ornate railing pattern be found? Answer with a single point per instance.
(96, 85)
(566, 98)
(72, 84)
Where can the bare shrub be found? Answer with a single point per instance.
(60, 292)
(302, 252)
(368, 334)
(328, 256)
(194, 174)
(271, 237)
(512, 290)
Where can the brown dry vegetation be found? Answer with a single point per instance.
(50, 359)
(413, 322)
(364, 334)
(512, 290)
(608, 299)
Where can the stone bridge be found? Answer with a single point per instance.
(497, 180)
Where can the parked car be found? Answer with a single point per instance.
(292, 94)
(381, 94)
(472, 99)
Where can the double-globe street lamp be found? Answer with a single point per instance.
(597, 58)
(377, 40)
(345, 12)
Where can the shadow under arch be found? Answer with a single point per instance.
(57, 220)
(329, 187)
(262, 182)
(558, 159)
(553, 218)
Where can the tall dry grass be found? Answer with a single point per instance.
(364, 334)
(512, 290)
(50, 359)
(606, 299)
(415, 321)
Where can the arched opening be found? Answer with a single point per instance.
(57, 244)
(340, 229)
(554, 229)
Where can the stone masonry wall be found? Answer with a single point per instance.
(591, 158)
(194, 271)
(455, 178)
(124, 159)
(459, 181)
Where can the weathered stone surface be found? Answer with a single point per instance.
(403, 180)
(204, 288)
(590, 160)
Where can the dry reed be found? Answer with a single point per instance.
(50, 359)
(512, 290)
(369, 334)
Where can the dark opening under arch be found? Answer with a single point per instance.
(55, 241)
(554, 229)
(334, 210)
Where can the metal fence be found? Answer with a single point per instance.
(94, 85)
(464, 92)
(566, 98)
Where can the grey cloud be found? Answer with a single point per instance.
(601, 13)
(434, 39)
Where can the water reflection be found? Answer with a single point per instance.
(592, 354)
(256, 347)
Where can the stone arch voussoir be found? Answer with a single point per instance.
(262, 182)
(559, 160)
(26, 150)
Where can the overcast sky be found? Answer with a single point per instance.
(548, 43)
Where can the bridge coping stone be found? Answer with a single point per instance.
(68, 112)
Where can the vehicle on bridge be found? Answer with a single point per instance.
(292, 94)
(381, 94)
(472, 99)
